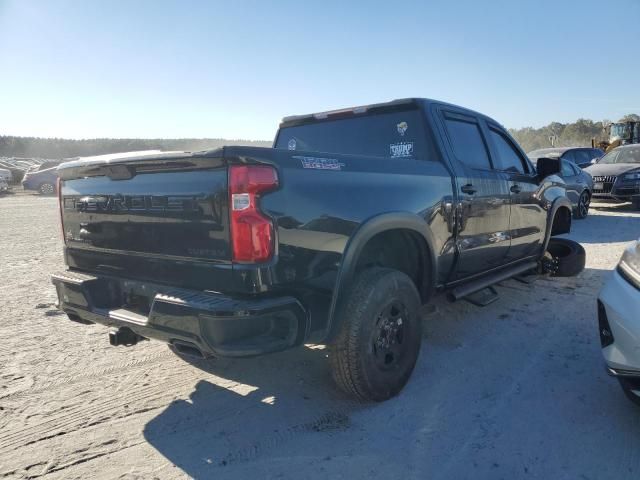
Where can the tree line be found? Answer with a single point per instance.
(59, 148)
(578, 133)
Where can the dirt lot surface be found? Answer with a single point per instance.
(513, 390)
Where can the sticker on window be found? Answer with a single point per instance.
(402, 127)
(400, 150)
(292, 144)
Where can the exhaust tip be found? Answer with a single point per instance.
(187, 349)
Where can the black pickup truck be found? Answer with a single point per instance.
(337, 235)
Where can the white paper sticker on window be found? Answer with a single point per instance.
(402, 149)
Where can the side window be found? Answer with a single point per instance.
(468, 145)
(567, 171)
(508, 157)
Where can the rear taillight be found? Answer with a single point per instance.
(252, 234)
(60, 206)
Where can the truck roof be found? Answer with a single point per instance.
(393, 105)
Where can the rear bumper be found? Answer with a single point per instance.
(215, 324)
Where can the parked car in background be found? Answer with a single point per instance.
(25, 162)
(581, 156)
(4, 186)
(616, 176)
(6, 175)
(45, 165)
(43, 181)
(17, 173)
(619, 322)
(579, 187)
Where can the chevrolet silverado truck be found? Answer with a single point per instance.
(337, 235)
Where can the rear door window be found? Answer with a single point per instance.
(399, 134)
(467, 142)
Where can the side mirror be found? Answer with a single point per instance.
(594, 161)
(548, 166)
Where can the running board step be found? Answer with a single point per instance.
(483, 297)
(484, 282)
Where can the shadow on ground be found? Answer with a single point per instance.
(278, 397)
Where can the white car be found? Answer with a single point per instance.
(4, 186)
(619, 322)
(6, 175)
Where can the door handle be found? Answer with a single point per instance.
(515, 188)
(468, 188)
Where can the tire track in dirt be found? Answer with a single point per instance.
(88, 375)
(43, 468)
(334, 420)
(135, 400)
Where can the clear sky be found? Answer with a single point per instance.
(233, 69)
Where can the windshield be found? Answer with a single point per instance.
(622, 155)
(395, 135)
(620, 130)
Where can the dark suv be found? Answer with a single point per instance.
(581, 156)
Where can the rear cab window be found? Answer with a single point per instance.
(397, 134)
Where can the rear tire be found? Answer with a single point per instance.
(379, 337)
(582, 210)
(628, 386)
(569, 257)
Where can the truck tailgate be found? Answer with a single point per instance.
(146, 217)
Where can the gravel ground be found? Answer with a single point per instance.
(513, 390)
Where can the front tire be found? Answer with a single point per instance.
(47, 189)
(380, 334)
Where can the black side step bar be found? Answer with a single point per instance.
(484, 282)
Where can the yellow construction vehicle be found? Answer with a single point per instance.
(619, 133)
